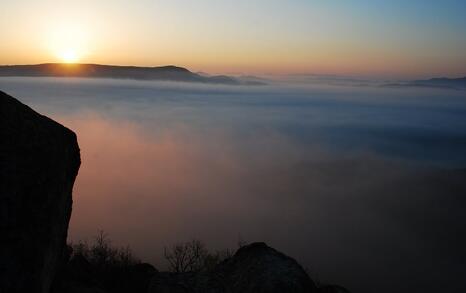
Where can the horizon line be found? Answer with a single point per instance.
(303, 74)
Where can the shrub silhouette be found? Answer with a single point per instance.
(193, 256)
(101, 254)
(100, 265)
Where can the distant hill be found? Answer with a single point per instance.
(169, 73)
(442, 82)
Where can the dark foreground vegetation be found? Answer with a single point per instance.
(99, 266)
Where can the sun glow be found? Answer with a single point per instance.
(69, 56)
(68, 42)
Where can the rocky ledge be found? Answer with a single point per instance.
(39, 161)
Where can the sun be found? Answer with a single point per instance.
(69, 56)
(68, 42)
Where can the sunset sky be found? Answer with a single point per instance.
(401, 39)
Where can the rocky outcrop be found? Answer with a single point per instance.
(255, 268)
(39, 161)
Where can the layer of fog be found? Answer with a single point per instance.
(360, 184)
(354, 219)
(425, 125)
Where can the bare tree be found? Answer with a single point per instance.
(186, 257)
(102, 251)
(192, 256)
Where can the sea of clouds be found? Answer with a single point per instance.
(364, 185)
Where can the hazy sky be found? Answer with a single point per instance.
(383, 38)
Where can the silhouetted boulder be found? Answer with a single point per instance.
(39, 161)
(255, 268)
(259, 268)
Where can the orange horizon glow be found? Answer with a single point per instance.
(342, 64)
(209, 37)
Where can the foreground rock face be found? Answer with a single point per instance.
(255, 268)
(39, 161)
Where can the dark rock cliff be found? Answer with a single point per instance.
(39, 161)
